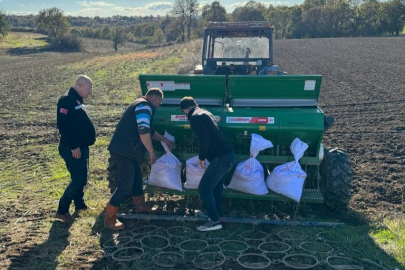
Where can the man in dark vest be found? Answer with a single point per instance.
(132, 138)
(77, 133)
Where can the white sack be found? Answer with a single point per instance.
(166, 172)
(288, 179)
(194, 172)
(249, 174)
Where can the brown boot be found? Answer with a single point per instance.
(110, 220)
(66, 217)
(141, 207)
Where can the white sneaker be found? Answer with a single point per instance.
(200, 213)
(210, 226)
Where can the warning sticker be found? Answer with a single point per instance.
(250, 120)
(180, 118)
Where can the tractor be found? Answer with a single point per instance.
(238, 82)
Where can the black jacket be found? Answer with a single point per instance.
(213, 143)
(126, 140)
(73, 122)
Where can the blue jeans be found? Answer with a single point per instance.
(78, 169)
(128, 178)
(211, 187)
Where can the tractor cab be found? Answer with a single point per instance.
(237, 48)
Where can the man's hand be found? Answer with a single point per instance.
(152, 158)
(202, 164)
(170, 144)
(76, 153)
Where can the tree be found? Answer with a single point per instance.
(187, 10)
(214, 13)
(4, 28)
(337, 20)
(393, 13)
(281, 19)
(298, 29)
(158, 37)
(53, 22)
(118, 37)
(368, 18)
(118, 34)
(106, 33)
(170, 29)
(252, 11)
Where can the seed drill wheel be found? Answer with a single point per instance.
(337, 178)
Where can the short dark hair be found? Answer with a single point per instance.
(187, 103)
(154, 92)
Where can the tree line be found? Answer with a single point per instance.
(187, 19)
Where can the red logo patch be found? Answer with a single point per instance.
(259, 120)
(63, 110)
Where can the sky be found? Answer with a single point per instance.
(109, 8)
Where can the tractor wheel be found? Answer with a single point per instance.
(337, 178)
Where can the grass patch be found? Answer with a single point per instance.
(23, 40)
(391, 238)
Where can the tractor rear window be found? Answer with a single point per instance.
(241, 47)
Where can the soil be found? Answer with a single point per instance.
(363, 88)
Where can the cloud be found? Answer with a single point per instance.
(235, 5)
(159, 6)
(156, 7)
(90, 11)
(107, 9)
(276, 3)
(92, 4)
(20, 13)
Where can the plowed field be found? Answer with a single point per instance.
(363, 88)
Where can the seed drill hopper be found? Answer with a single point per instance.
(279, 107)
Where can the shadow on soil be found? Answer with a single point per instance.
(359, 247)
(45, 255)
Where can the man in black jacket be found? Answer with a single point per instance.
(77, 134)
(132, 138)
(218, 151)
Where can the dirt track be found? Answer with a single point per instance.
(364, 90)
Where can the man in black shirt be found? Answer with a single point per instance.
(77, 134)
(218, 151)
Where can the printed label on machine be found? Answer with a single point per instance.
(181, 118)
(168, 85)
(309, 85)
(250, 120)
(182, 86)
(163, 85)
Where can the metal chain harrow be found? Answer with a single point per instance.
(178, 246)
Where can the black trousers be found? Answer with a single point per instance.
(78, 169)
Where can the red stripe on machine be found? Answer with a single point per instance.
(250, 120)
